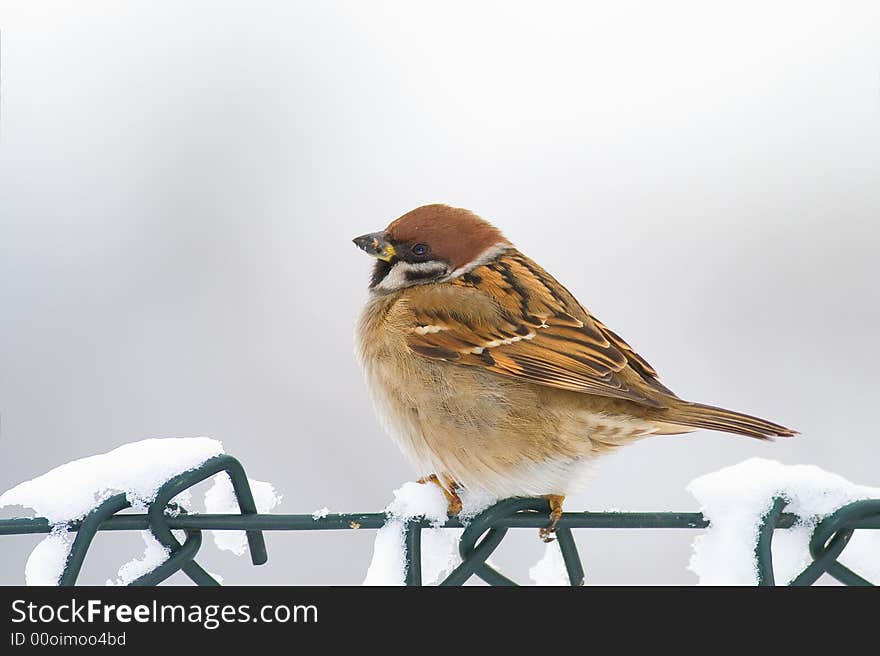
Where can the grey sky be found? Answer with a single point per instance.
(180, 182)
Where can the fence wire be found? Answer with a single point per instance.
(481, 535)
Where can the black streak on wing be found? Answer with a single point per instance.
(471, 279)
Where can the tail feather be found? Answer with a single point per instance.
(698, 415)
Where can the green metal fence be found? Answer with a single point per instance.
(481, 535)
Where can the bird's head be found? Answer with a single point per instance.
(430, 244)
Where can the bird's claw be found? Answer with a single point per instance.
(453, 501)
(548, 533)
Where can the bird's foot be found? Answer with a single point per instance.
(453, 501)
(548, 533)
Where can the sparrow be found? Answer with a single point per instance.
(491, 377)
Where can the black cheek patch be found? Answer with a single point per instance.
(416, 276)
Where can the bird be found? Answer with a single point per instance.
(492, 377)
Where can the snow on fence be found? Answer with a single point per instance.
(416, 543)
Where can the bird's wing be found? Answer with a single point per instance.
(512, 318)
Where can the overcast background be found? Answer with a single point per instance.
(180, 182)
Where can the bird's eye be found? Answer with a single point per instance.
(419, 250)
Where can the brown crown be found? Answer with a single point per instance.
(452, 233)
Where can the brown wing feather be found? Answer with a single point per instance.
(636, 361)
(512, 318)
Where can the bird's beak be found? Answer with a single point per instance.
(376, 245)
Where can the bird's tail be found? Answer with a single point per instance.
(698, 415)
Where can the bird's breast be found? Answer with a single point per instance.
(489, 432)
